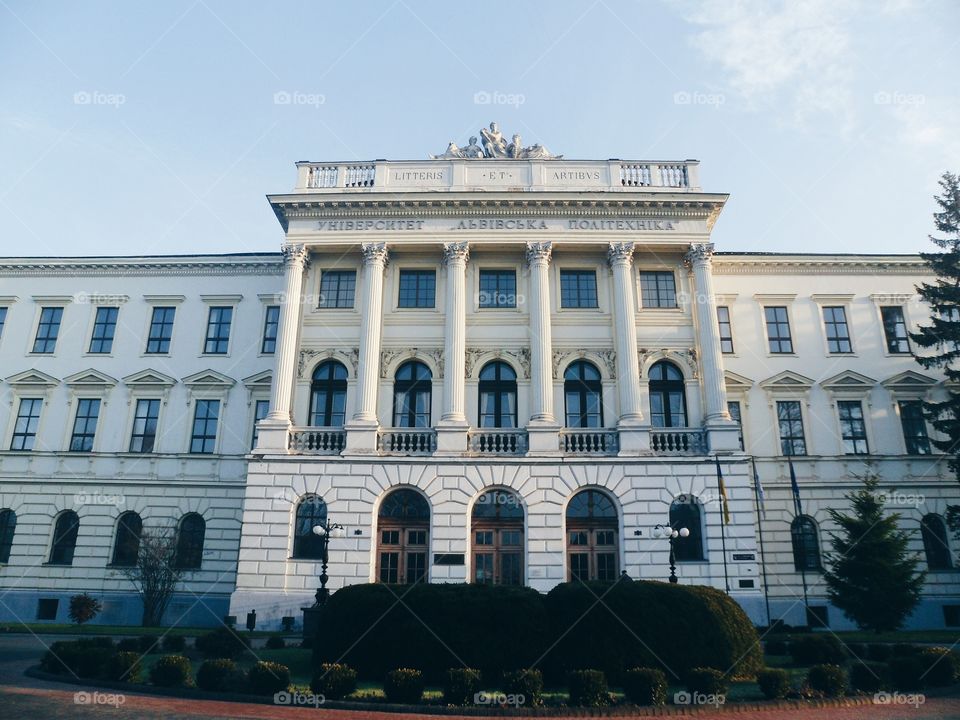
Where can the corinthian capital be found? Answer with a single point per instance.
(698, 253)
(375, 253)
(619, 253)
(296, 256)
(456, 252)
(539, 251)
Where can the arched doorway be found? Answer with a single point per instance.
(592, 545)
(403, 529)
(497, 538)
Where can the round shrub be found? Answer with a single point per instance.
(174, 643)
(943, 665)
(817, 650)
(588, 688)
(275, 642)
(774, 683)
(129, 645)
(776, 647)
(527, 682)
(706, 681)
(908, 673)
(879, 652)
(84, 658)
(123, 666)
(220, 675)
(904, 650)
(827, 679)
(149, 644)
(222, 643)
(171, 671)
(403, 685)
(334, 681)
(268, 678)
(868, 677)
(461, 685)
(645, 686)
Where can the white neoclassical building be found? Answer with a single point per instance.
(486, 369)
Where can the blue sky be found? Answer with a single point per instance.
(130, 128)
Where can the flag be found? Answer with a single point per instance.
(723, 493)
(798, 508)
(758, 488)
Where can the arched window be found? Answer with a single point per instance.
(592, 537)
(806, 544)
(190, 535)
(935, 543)
(64, 538)
(8, 524)
(328, 395)
(412, 393)
(498, 396)
(497, 538)
(127, 543)
(307, 545)
(583, 395)
(403, 527)
(685, 513)
(668, 402)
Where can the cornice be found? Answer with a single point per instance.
(819, 265)
(135, 267)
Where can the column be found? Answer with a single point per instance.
(620, 257)
(275, 427)
(453, 426)
(542, 430)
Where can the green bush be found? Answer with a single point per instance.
(84, 658)
(123, 666)
(868, 677)
(827, 679)
(222, 643)
(943, 665)
(129, 645)
(174, 643)
(588, 688)
(908, 673)
(275, 642)
(528, 683)
(645, 686)
(706, 681)
(817, 650)
(148, 644)
(776, 647)
(858, 651)
(879, 652)
(334, 681)
(83, 608)
(461, 685)
(774, 683)
(268, 678)
(220, 675)
(403, 685)
(171, 671)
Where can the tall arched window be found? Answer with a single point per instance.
(403, 527)
(668, 402)
(8, 525)
(498, 396)
(497, 538)
(64, 538)
(126, 546)
(685, 512)
(311, 511)
(328, 395)
(190, 536)
(583, 395)
(412, 393)
(592, 524)
(806, 544)
(935, 544)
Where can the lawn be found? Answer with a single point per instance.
(124, 630)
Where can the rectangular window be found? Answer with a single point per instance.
(161, 330)
(85, 425)
(144, 433)
(658, 289)
(204, 437)
(853, 429)
(260, 411)
(104, 328)
(218, 331)
(47, 608)
(914, 427)
(790, 421)
(837, 330)
(48, 329)
(733, 407)
(498, 289)
(271, 323)
(778, 330)
(337, 288)
(418, 289)
(578, 289)
(25, 429)
(895, 330)
(726, 329)
(3, 319)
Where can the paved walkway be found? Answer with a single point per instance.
(24, 697)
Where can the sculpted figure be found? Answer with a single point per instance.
(515, 148)
(539, 152)
(472, 150)
(452, 152)
(494, 145)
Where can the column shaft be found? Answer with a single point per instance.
(620, 256)
(295, 262)
(708, 333)
(455, 256)
(541, 343)
(368, 372)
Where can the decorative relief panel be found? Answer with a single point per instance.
(607, 357)
(521, 356)
(388, 356)
(351, 355)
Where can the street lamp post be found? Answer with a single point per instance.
(324, 532)
(671, 533)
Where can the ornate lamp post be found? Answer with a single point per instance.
(671, 533)
(324, 532)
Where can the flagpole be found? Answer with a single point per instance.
(798, 511)
(724, 512)
(763, 561)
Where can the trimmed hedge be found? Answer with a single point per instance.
(908, 673)
(403, 685)
(461, 686)
(220, 675)
(774, 683)
(645, 686)
(869, 677)
(878, 652)
(706, 681)
(174, 643)
(829, 680)
(123, 666)
(222, 643)
(275, 642)
(943, 665)
(149, 644)
(268, 678)
(817, 650)
(129, 645)
(171, 671)
(588, 688)
(334, 681)
(85, 658)
(528, 682)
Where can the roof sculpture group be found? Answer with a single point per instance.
(496, 147)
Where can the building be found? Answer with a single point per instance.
(487, 369)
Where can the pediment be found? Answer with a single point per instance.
(90, 378)
(735, 381)
(909, 380)
(849, 380)
(149, 378)
(32, 378)
(261, 380)
(787, 380)
(208, 378)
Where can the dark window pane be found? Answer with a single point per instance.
(790, 422)
(25, 427)
(806, 546)
(328, 395)
(578, 289)
(145, 426)
(778, 330)
(853, 429)
(337, 288)
(218, 330)
(161, 330)
(8, 526)
(895, 330)
(498, 289)
(127, 543)
(104, 328)
(85, 425)
(838, 333)
(658, 289)
(190, 537)
(48, 329)
(205, 416)
(417, 289)
(726, 329)
(65, 533)
(271, 324)
(311, 512)
(914, 427)
(936, 546)
(685, 513)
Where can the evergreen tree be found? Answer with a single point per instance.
(871, 577)
(941, 338)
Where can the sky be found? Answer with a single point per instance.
(159, 127)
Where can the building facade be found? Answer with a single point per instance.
(486, 369)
